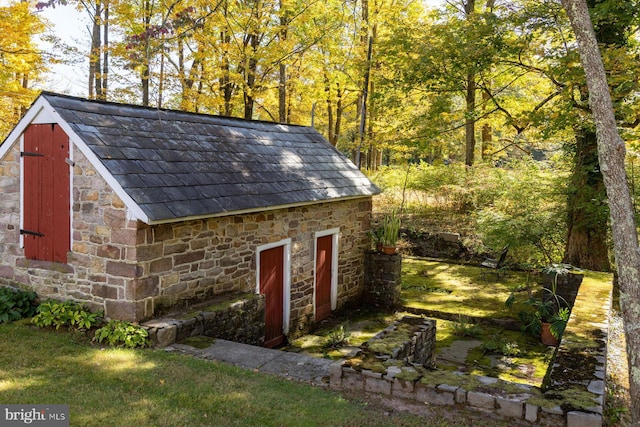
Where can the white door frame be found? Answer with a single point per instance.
(335, 233)
(286, 292)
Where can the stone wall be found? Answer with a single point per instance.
(441, 245)
(195, 260)
(134, 271)
(240, 320)
(419, 347)
(101, 269)
(383, 280)
(9, 212)
(489, 394)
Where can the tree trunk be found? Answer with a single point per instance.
(470, 98)
(337, 129)
(487, 131)
(199, 66)
(367, 40)
(470, 120)
(327, 91)
(226, 86)
(144, 77)
(185, 83)
(102, 91)
(95, 84)
(370, 130)
(282, 95)
(611, 152)
(363, 107)
(251, 65)
(161, 78)
(282, 83)
(586, 245)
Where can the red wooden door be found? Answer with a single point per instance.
(324, 257)
(46, 193)
(272, 286)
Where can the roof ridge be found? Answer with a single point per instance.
(169, 110)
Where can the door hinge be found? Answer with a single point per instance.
(31, 233)
(30, 154)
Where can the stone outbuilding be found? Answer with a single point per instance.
(136, 210)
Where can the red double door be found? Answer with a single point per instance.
(46, 225)
(272, 281)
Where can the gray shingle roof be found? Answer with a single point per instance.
(176, 165)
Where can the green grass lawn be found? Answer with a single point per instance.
(117, 387)
(141, 388)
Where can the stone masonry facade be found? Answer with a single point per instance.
(133, 271)
(383, 280)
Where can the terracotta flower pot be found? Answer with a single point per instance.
(389, 250)
(546, 337)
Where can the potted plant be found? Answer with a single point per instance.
(376, 235)
(547, 316)
(390, 233)
(553, 327)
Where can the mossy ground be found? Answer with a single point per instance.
(459, 289)
(360, 326)
(456, 291)
(198, 341)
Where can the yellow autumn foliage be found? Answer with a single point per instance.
(21, 61)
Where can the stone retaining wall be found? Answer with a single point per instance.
(419, 347)
(514, 404)
(489, 394)
(441, 245)
(574, 389)
(239, 320)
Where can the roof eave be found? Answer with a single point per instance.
(256, 210)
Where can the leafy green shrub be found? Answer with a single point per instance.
(16, 304)
(521, 203)
(119, 333)
(444, 185)
(527, 213)
(68, 313)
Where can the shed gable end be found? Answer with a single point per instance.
(46, 217)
